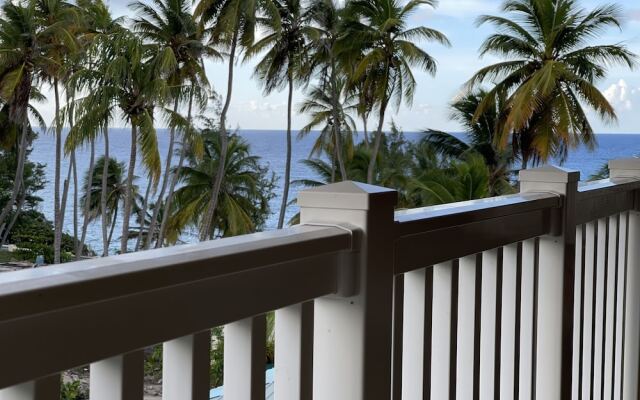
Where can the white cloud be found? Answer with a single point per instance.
(621, 96)
(424, 108)
(254, 105)
(463, 8)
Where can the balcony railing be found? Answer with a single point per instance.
(529, 296)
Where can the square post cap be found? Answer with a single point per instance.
(631, 163)
(348, 195)
(549, 174)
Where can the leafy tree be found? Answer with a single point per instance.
(245, 192)
(377, 32)
(326, 27)
(22, 56)
(56, 21)
(130, 80)
(233, 24)
(549, 74)
(462, 180)
(115, 194)
(480, 135)
(334, 119)
(283, 64)
(171, 26)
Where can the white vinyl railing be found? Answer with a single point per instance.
(528, 296)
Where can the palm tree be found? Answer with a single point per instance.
(235, 25)
(549, 73)
(285, 51)
(130, 80)
(462, 180)
(99, 23)
(60, 44)
(480, 134)
(115, 194)
(22, 55)
(336, 137)
(326, 24)
(171, 26)
(245, 192)
(376, 31)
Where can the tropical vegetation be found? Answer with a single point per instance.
(354, 62)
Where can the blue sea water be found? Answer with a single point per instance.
(270, 146)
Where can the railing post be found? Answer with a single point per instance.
(630, 168)
(554, 280)
(42, 389)
(353, 331)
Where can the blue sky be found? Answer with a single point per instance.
(250, 109)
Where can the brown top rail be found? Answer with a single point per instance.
(430, 235)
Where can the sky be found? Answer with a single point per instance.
(251, 109)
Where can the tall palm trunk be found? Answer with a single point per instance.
(143, 213)
(65, 190)
(18, 182)
(76, 238)
(103, 195)
(128, 199)
(378, 138)
(206, 231)
(366, 131)
(57, 213)
(287, 168)
(114, 219)
(87, 200)
(165, 181)
(14, 219)
(335, 100)
(376, 144)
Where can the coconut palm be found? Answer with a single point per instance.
(22, 56)
(480, 138)
(462, 180)
(244, 196)
(171, 26)
(115, 193)
(99, 23)
(282, 65)
(334, 119)
(549, 73)
(376, 31)
(234, 25)
(60, 44)
(326, 26)
(130, 81)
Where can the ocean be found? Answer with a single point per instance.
(270, 146)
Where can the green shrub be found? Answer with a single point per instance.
(72, 391)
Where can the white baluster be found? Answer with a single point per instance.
(244, 359)
(185, 367)
(118, 378)
(294, 352)
(466, 328)
(508, 322)
(441, 336)
(42, 389)
(416, 290)
(488, 323)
